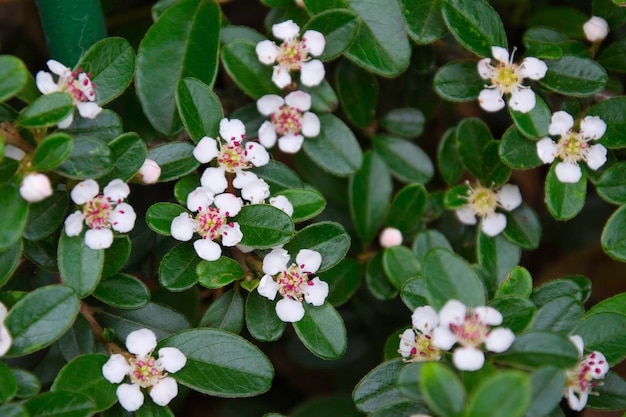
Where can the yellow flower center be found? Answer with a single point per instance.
(290, 282)
(146, 371)
(572, 148)
(482, 200)
(507, 78)
(292, 54)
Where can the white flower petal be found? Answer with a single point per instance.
(267, 52)
(149, 172)
(299, 99)
(256, 192)
(5, 338)
(88, 110)
(74, 223)
(547, 150)
(488, 315)
(231, 234)
(501, 54)
(270, 103)
(45, 84)
(596, 29)
(500, 339)
(275, 261)
(443, 338)
(596, 156)
(312, 72)
(485, 69)
(141, 342)
(466, 215)
(35, 187)
(509, 197)
(533, 68)
(598, 363)
(490, 99)
(67, 122)
(172, 359)
(164, 391)
(560, 123)
(286, 30)
(309, 260)
(206, 150)
(84, 191)
(182, 227)
(116, 368)
(315, 291)
(200, 199)
(214, 179)
(592, 127)
(116, 190)
(289, 311)
(493, 224)
(244, 178)
(130, 397)
(123, 218)
(281, 76)
(522, 100)
(407, 343)
(13, 152)
(98, 238)
(315, 42)
(267, 134)
(425, 319)
(453, 312)
(228, 204)
(310, 125)
(390, 237)
(207, 249)
(283, 203)
(574, 402)
(578, 342)
(256, 154)
(290, 143)
(568, 173)
(58, 68)
(267, 287)
(468, 359)
(232, 130)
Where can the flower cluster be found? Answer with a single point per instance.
(100, 212)
(572, 146)
(416, 344)
(75, 83)
(580, 379)
(144, 371)
(5, 336)
(294, 282)
(482, 203)
(507, 78)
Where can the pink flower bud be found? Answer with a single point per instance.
(150, 172)
(390, 237)
(35, 187)
(596, 29)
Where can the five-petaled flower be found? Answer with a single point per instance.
(573, 147)
(100, 212)
(211, 222)
(293, 54)
(580, 379)
(470, 327)
(232, 155)
(5, 336)
(294, 282)
(144, 371)
(416, 344)
(75, 83)
(482, 203)
(506, 78)
(290, 121)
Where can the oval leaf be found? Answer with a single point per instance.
(322, 331)
(80, 267)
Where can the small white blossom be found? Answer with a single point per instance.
(294, 282)
(507, 78)
(596, 29)
(482, 202)
(290, 121)
(144, 371)
(75, 83)
(5, 336)
(390, 237)
(35, 187)
(211, 222)
(580, 379)
(573, 147)
(416, 344)
(100, 212)
(282, 203)
(293, 54)
(470, 328)
(13, 152)
(149, 172)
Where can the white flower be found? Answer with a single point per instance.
(416, 344)
(573, 147)
(75, 83)
(482, 203)
(149, 172)
(100, 212)
(5, 336)
(294, 282)
(293, 54)
(470, 328)
(596, 29)
(390, 237)
(283, 203)
(580, 379)
(35, 187)
(231, 154)
(211, 222)
(506, 78)
(13, 152)
(144, 371)
(290, 121)
(253, 189)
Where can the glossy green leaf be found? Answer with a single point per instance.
(400, 265)
(574, 76)
(610, 394)
(51, 152)
(278, 176)
(13, 410)
(423, 20)
(264, 226)
(177, 270)
(612, 184)
(494, 171)
(106, 126)
(555, 288)
(242, 64)
(306, 203)
(559, 315)
(339, 27)
(571, 24)
(407, 122)
(128, 152)
(44, 217)
(218, 273)
(406, 161)
(517, 151)
(27, 383)
(231, 32)
(473, 135)
(199, 108)
(604, 332)
(47, 110)
(14, 215)
(41, 317)
(517, 312)
(59, 404)
(221, 363)
(535, 349)
(547, 390)
(151, 409)
(323, 97)
(225, 313)
(8, 384)
(183, 42)
(504, 394)
(475, 25)
(518, 282)
(328, 238)
(162, 320)
(160, 215)
(413, 293)
(497, 255)
(358, 92)
(116, 255)
(111, 63)
(533, 124)
(78, 340)
(407, 208)
(185, 186)
(175, 159)
(9, 259)
(378, 388)
(80, 267)
(335, 149)
(122, 291)
(369, 195)
(523, 227)
(409, 381)
(613, 113)
(542, 35)
(322, 331)
(459, 81)
(90, 158)
(261, 319)
(442, 389)
(343, 281)
(377, 281)
(613, 57)
(427, 240)
(13, 76)
(448, 158)
(564, 200)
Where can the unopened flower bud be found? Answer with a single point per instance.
(149, 172)
(596, 29)
(35, 187)
(390, 237)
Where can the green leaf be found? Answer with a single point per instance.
(559, 315)
(13, 76)
(535, 349)
(533, 124)
(343, 281)
(497, 255)
(566, 19)
(219, 273)
(183, 42)
(335, 149)
(13, 410)
(44, 217)
(409, 381)
(160, 215)
(517, 312)
(377, 281)
(475, 25)
(59, 404)
(230, 33)
(90, 158)
(8, 383)
(111, 63)
(199, 108)
(613, 57)
(339, 27)
(612, 184)
(40, 318)
(574, 76)
(447, 276)
(185, 186)
(423, 20)
(523, 227)
(448, 158)
(459, 81)
(517, 151)
(106, 126)
(323, 97)
(378, 388)
(221, 363)
(175, 159)
(358, 93)
(14, 214)
(407, 208)
(128, 152)
(427, 240)
(261, 319)
(51, 152)
(473, 135)
(46, 110)
(555, 288)
(242, 64)
(123, 291)
(565, 200)
(369, 195)
(543, 35)
(407, 122)
(322, 331)
(328, 238)
(610, 394)
(80, 267)
(278, 176)
(400, 265)
(406, 161)
(225, 313)
(413, 294)
(504, 394)
(177, 271)
(9, 259)
(83, 375)
(442, 389)
(494, 172)
(547, 390)
(336, 405)
(151, 409)
(116, 255)
(27, 383)
(604, 332)
(613, 113)
(306, 203)
(518, 282)
(162, 320)
(264, 226)
(78, 340)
